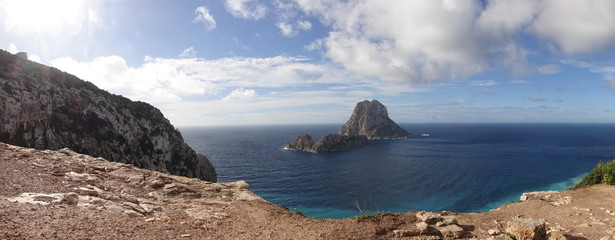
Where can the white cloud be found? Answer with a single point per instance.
(577, 26)
(435, 41)
(164, 80)
(517, 82)
(12, 48)
(188, 53)
(482, 83)
(240, 94)
(607, 71)
(286, 29)
(203, 15)
(246, 9)
(304, 25)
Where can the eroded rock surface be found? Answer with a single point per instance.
(372, 120)
(329, 143)
(369, 120)
(44, 108)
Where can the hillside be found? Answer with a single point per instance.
(44, 108)
(65, 195)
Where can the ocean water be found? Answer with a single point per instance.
(459, 167)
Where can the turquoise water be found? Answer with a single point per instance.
(459, 167)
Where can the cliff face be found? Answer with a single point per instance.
(372, 120)
(44, 108)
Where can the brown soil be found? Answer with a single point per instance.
(65, 195)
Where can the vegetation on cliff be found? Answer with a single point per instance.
(602, 173)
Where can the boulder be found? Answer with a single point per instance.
(527, 229)
(372, 120)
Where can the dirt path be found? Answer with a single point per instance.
(65, 195)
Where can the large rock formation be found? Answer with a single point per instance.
(303, 142)
(44, 108)
(329, 143)
(369, 120)
(372, 120)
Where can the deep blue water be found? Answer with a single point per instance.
(459, 167)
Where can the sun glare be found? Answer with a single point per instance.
(44, 17)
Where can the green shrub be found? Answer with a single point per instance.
(602, 173)
(298, 212)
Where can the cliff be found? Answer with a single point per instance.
(372, 120)
(329, 143)
(65, 195)
(42, 107)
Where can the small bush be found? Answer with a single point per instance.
(602, 173)
(298, 212)
(372, 216)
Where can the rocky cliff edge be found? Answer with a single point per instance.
(65, 195)
(45, 108)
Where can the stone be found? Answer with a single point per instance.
(449, 220)
(555, 235)
(494, 232)
(452, 231)
(429, 217)
(71, 199)
(45, 108)
(371, 119)
(527, 229)
(424, 229)
(241, 185)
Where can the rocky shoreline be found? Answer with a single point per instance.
(65, 195)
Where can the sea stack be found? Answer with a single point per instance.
(372, 120)
(369, 120)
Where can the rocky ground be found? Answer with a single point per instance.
(65, 195)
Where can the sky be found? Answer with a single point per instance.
(246, 62)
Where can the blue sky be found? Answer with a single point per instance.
(229, 62)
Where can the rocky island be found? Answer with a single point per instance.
(44, 108)
(369, 120)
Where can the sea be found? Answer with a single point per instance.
(461, 167)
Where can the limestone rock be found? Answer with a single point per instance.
(336, 143)
(71, 199)
(303, 142)
(372, 120)
(527, 229)
(452, 231)
(555, 235)
(429, 217)
(45, 108)
(329, 143)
